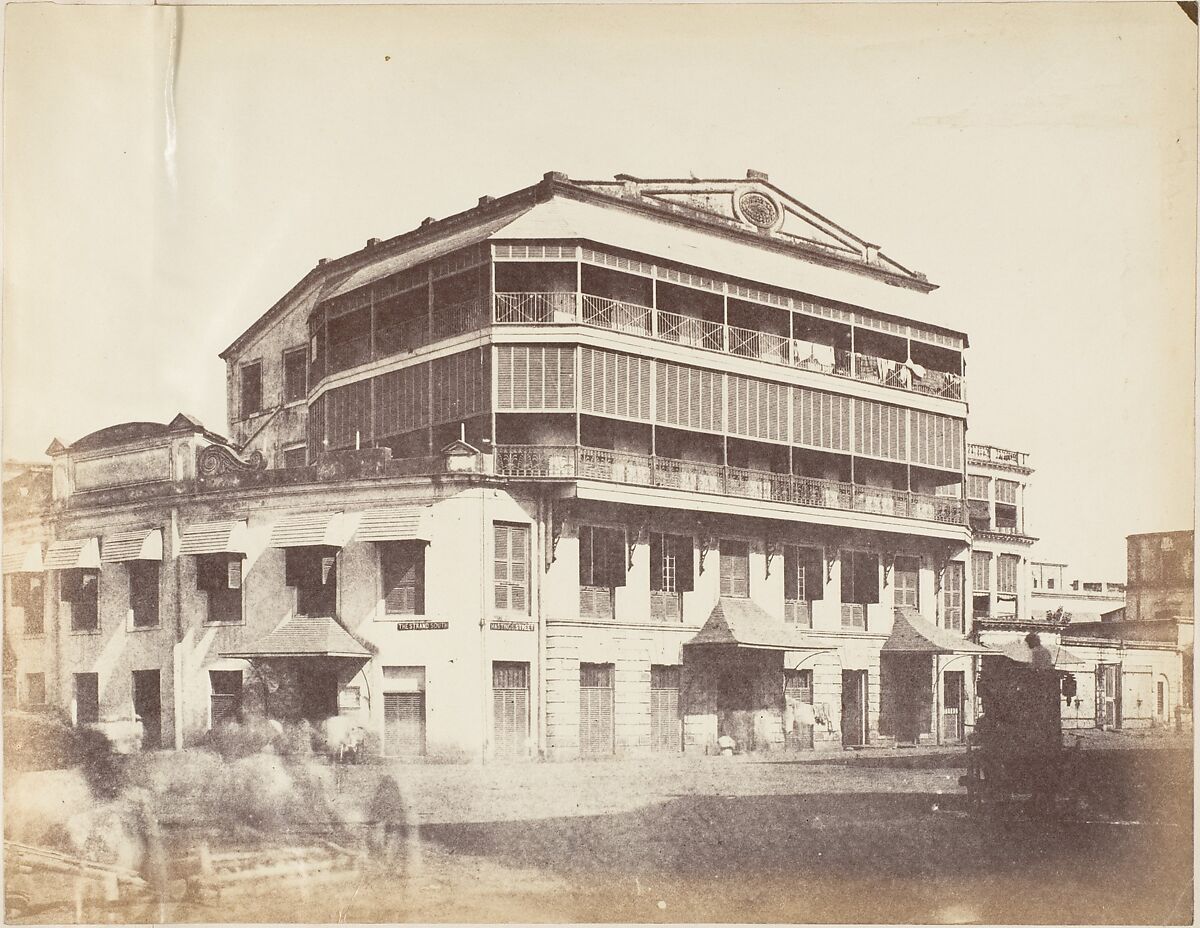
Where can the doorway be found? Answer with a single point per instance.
(318, 694)
(147, 707)
(798, 715)
(954, 699)
(1108, 696)
(854, 708)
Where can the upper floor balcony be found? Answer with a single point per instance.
(377, 323)
(645, 470)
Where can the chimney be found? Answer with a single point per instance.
(555, 175)
(372, 242)
(321, 261)
(427, 221)
(486, 200)
(752, 174)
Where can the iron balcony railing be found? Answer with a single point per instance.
(621, 316)
(993, 455)
(653, 471)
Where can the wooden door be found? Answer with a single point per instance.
(510, 708)
(854, 708)
(596, 710)
(404, 724)
(798, 709)
(952, 597)
(666, 728)
(147, 707)
(953, 704)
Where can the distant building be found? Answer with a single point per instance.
(1054, 594)
(1000, 541)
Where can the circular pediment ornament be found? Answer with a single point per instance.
(758, 209)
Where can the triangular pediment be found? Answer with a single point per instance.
(755, 205)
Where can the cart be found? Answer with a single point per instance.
(1016, 750)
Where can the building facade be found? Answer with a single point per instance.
(594, 468)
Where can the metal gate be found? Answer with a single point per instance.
(666, 730)
(510, 708)
(596, 709)
(798, 711)
(403, 724)
(1108, 695)
(953, 703)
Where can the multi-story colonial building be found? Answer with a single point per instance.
(591, 468)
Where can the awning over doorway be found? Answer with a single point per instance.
(1020, 652)
(743, 623)
(305, 636)
(911, 634)
(144, 544)
(304, 529)
(76, 554)
(22, 559)
(213, 538)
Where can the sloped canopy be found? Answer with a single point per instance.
(395, 524)
(144, 544)
(22, 558)
(305, 636)
(1020, 652)
(911, 634)
(76, 553)
(214, 538)
(303, 529)
(743, 623)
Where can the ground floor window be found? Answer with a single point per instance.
(510, 707)
(666, 727)
(35, 689)
(596, 736)
(147, 706)
(403, 711)
(87, 698)
(226, 698)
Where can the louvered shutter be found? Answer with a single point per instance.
(820, 420)
(510, 708)
(596, 709)
(685, 565)
(666, 730)
(500, 566)
(511, 566)
(403, 570)
(234, 572)
(316, 427)
(867, 581)
(880, 430)
(735, 569)
(814, 573)
(791, 572)
(403, 724)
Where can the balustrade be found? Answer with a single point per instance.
(745, 483)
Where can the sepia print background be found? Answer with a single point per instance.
(170, 172)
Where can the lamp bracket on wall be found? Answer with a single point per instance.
(556, 529)
(889, 561)
(830, 558)
(633, 537)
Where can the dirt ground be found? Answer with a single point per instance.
(876, 836)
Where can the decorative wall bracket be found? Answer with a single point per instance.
(556, 530)
(708, 541)
(830, 558)
(939, 576)
(889, 561)
(633, 537)
(774, 549)
(221, 459)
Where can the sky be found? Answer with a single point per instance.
(169, 173)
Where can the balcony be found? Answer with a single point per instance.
(774, 348)
(989, 454)
(644, 470)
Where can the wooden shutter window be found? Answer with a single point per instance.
(735, 568)
(511, 567)
(402, 565)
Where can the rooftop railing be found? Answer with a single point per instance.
(990, 454)
(568, 461)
